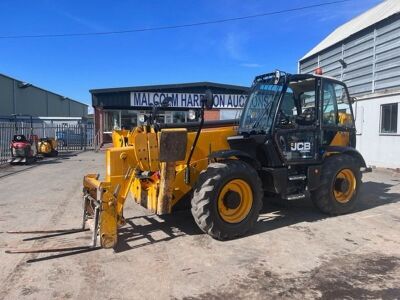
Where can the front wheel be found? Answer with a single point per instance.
(340, 185)
(227, 199)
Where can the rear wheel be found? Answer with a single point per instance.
(227, 199)
(340, 184)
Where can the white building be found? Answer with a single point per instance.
(365, 54)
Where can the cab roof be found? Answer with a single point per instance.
(291, 77)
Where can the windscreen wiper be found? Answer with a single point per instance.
(262, 115)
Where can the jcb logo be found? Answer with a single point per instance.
(301, 146)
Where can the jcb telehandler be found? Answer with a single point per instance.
(295, 139)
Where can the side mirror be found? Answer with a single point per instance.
(208, 99)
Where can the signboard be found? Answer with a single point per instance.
(183, 100)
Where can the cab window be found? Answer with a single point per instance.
(288, 106)
(336, 110)
(307, 100)
(298, 104)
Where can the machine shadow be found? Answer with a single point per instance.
(375, 194)
(63, 254)
(67, 154)
(286, 213)
(47, 162)
(146, 230)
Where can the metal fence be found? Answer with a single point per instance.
(69, 137)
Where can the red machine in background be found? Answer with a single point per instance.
(23, 148)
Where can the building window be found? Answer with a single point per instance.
(128, 119)
(112, 120)
(389, 115)
(119, 119)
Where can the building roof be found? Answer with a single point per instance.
(170, 86)
(372, 16)
(42, 89)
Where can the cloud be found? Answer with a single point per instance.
(82, 21)
(236, 47)
(251, 65)
(233, 45)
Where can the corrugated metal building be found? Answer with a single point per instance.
(18, 97)
(365, 54)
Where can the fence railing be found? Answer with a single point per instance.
(69, 137)
(6, 134)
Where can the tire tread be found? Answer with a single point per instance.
(205, 192)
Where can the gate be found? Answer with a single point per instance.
(70, 137)
(74, 137)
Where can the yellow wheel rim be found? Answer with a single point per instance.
(344, 186)
(235, 201)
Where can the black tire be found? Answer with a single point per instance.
(324, 198)
(206, 192)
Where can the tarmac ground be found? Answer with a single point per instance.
(294, 252)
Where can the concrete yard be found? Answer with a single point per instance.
(294, 251)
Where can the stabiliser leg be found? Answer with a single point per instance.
(84, 216)
(96, 225)
(91, 208)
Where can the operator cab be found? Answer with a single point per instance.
(291, 119)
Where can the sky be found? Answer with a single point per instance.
(232, 52)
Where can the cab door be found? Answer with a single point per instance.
(337, 122)
(297, 133)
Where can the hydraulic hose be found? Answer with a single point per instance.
(187, 171)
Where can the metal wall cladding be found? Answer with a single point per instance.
(308, 69)
(331, 53)
(372, 59)
(6, 95)
(31, 101)
(57, 106)
(311, 62)
(16, 98)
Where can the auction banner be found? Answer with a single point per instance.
(183, 100)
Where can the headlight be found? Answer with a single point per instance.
(141, 118)
(191, 114)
